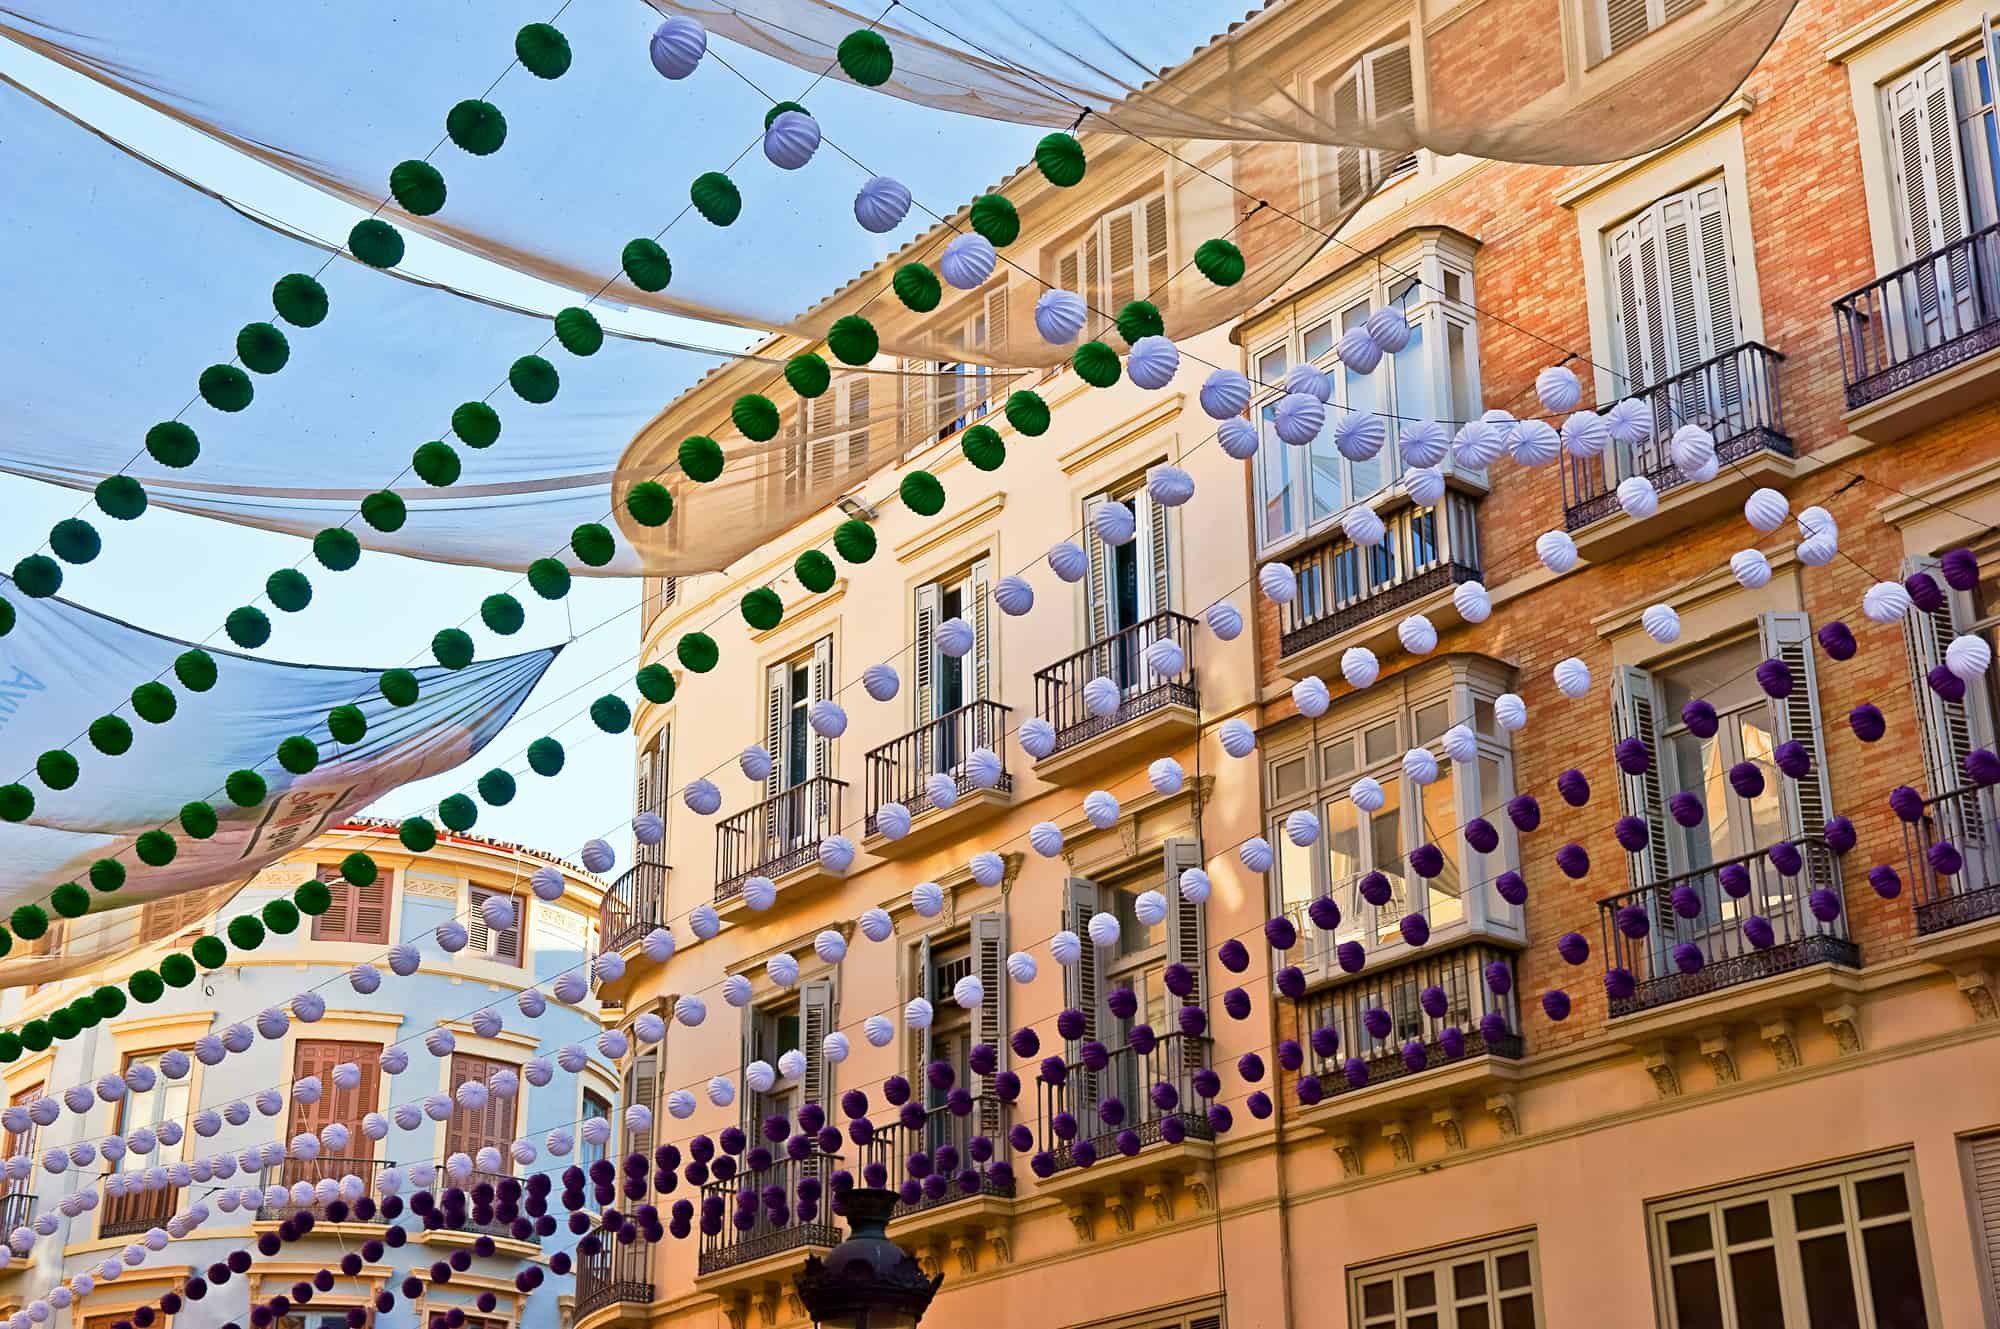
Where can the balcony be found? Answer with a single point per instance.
(1174, 1144)
(751, 1243)
(1154, 710)
(1677, 957)
(1735, 397)
(1950, 906)
(616, 1276)
(17, 1210)
(900, 771)
(778, 838)
(634, 906)
(960, 1203)
(1350, 595)
(313, 1171)
(1918, 345)
(133, 1212)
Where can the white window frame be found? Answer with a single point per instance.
(1082, 266)
(1372, 75)
(1440, 1264)
(1652, 14)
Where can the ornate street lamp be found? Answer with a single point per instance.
(867, 1281)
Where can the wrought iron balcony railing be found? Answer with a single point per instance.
(779, 835)
(1952, 858)
(1921, 319)
(634, 906)
(133, 1212)
(1121, 657)
(312, 1171)
(900, 770)
(1135, 1093)
(755, 1215)
(1438, 1008)
(17, 1210)
(1343, 585)
(616, 1274)
(945, 1140)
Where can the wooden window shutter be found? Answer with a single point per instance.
(857, 421)
(1158, 265)
(1097, 583)
(979, 609)
(1159, 554)
(1080, 989)
(1628, 309)
(1392, 102)
(1121, 251)
(1625, 22)
(777, 696)
(815, 1023)
(1808, 802)
(920, 1042)
(1643, 795)
(823, 684)
(1982, 1181)
(995, 339)
(1349, 169)
(337, 922)
(1949, 732)
(504, 944)
(468, 1132)
(822, 441)
(1095, 278)
(369, 921)
(1683, 294)
(989, 1021)
(1924, 160)
(346, 1106)
(923, 661)
(642, 1087)
(917, 425)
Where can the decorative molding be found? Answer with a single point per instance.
(1844, 1023)
(1161, 1192)
(737, 1311)
(1128, 836)
(1783, 1041)
(1119, 1205)
(1162, 411)
(1082, 1222)
(1660, 1066)
(933, 536)
(794, 1307)
(1505, 1110)
(1449, 1125)
(430, 888)
(1204, 1199)
(1002, 1243)
(965, 1245)
(1348, 1150)
(931, 1258)
(1720, 1056)
(1396, 1134)
(1977, 986)
(1200, 791)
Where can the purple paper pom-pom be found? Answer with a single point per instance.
(1775, 677)
(1747, 779)
(853, 1104)
(1129, 1143)
(1084, 1152)
(1165, 1096)
(1574, 860)
(1112, 1110)
(1867, 723)
(1351, 955)
(941, 1074)
(1427, 861)
(1416, 929)
(1946, 684)
(1632, 833)
(1633, 759)
(1173, 1130)
(1356, 1072)
(1374, 888)
(1415, 1057)
(1983, 766)
(1070, 1024)
(1292, 982)
(1633, 921)
(1555, 1004)
(1377, 1022)
(1700, 718)
(1043, 1164)
(1063, 1125)
(1960, 568)
(1481, 835)
(1093, 1054)
(1206, 1082)
(1433, 1001)
(1122, 1003)
(1619, 983)
(1793, 759)
(1686, 901)
(1883, 878)
(1840, 835)
(1251, 1067)
(1452, 1042)
(1325, 1041)
(1143, 1039)
(1179, 979)
(1573, 948)
(1054, 1070)
(1499, 978)
(1924, 591)
(828, 1141)
(1688, 958)
(1290, 1055)
(1573, 787)
(1786, 858)
(1235, 956)
(1824, 903)
(1259, 1104)
(1513, 887)
(1194, 1022)
(1757, 931)
(1493, 1027)
(1020, 1138)
(1945, 860)
(896, 1089)
(1324, 913)
(1735, 880)
(1837, 640)
(1524, 812)
(1237, 1003)
(1686, 809)
(1025, 1042)
(1311, 1090)
(1280, 933)
(1906, 803)
(1219, 1118)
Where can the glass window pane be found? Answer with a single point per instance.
(1746, 1223)
(1817, 1208)
(1687, 1235)
(1317, 342)
(1895, 1278)
(1753, 1281)
(1134, 936)
(1829, 1282)
(1341, 825)
(1275, 482)
(1517, 1313)
(1879, 1197)
(1444, 893)
(1413, 377)
(1385, 831)
(1378, 1298)
(1482, 716)
(1360, 393)
(1379, 743)
(1475, 1316)
(1336, 759)
(1329, 482)
(1432, 720)
(1458, 362)
(1289, 777)
(1468, 1279)
(1511, 1271)
(1697, 1299)
(1419, 1290)
(1295, 878)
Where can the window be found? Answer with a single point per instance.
(167, 1100)
(165, 919)
(467, 1131)
(1484, 1285)
(980, 949)
(346, 1106)
(1835, 1246)
(792, 686)
(1943, 148)
(651, 788)
(1674, 303)
(1979, 1161)
(1129, 584)
(770, 1030)
(829, 435)
(358, 913)
(1435, 376)
(660, 593)
(1951, 733)
(501, 945)
(318, 1318)
(21, 1144)
(1377, 92)
(1620, 23)
(1125, 255)
(944, 683)
(941, 397)
(596, 1109)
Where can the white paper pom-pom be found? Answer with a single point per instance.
(1104, 930)
(1065, 948)
(830, 946)
(1420, 766)
(760, 893)
(1045, 838)
(1302, 827)
(827, 718)
(836, 853)
(1819, 551)
(834, 1048)
(677, 47)
(498, 910)
(1460, 743)
(273, 1023)
(1224, 620)
(307, 1090)
(173, 1064)
(1101, 696)
(1021, 967)
(1311, 697)
(1585, 434)
(1059, 316)
(1150, 908)
(1101, 808)
(881, 204)
(1238, 438)
(1359, 667)
(658, 945)
(1194, 885)
(1815, 521)
(408, 1116)
(927, 899)
(892, 820)
(1536, 443)
(1238, 738)
(1170, 486)
(1224, 393)
(790, 140)
(690, 1010)
(1113, 522)
(917, 1013)
(1572, 677)
(879, 1030)
(440, 1042)
(1630, 421)
(1418, 635)
(1662, 624)
(1299, 418)
(954, 637)
(1153, 362)
(1256, 854)
(1425, 443)
(394, 1061)
(1557, 389)
(736, 990)
(876, 925)
(1068, 561)
(1278, 582)
(1165, 657)
(452, 936)
(1389, 329)
(969, 992)
(983, 768)
(1751, 569)
(680, 1105)
(1556, 550)
(1359, 351)
(720, 1091)
(1367, 794)
(1478, 445)
(1885, 602)
(1014, 596)
(547, 883)
(1474, 605)
(1637, 497)
(1360, 435)
(1692, 450)
(755, 763)
(1360, 524)
(374, 1126)
(1766, 509)
(783, 970)
(1309, 379)
(649, 1028)
(792, 1064)
(941, 790)
(1424, 484)
(472, 1096)
(1968, 656)
(571, 987)
(987, 868)
(702, 797)
(532, 1003)
(437, 1107)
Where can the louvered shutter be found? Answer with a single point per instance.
(1069, 273)
(1625, 22)
(1808, 802)
(1949, 732)
(995, 341)
(1628, 309)
(1684, 298)
(989, 1021)
(923, 661)
(1155, 552)
(1635, 715)
(750, 1105)
(1080, 993)
(1187, 930)
(467, 1131)
(1159, 267)
(920, 1051)
(1121, 259)
(1349, 163)
(1982, 1176)
(1392, 101)
(822, 690)
(1924, 159)
(1715, 280)
(776, 699)
(475, 921)
(815, 1023)
(310, 1057)
(979, 608)
(642, 1088)
(337, 923)
(857, 421)
(822, 439)
(1096, 278)
(1097, 579)
(917, 426)
(642, 796)
(370, 920)
(1658, 324)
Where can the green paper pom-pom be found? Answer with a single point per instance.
(922, 494)
(146, 987)
(289, 590)
(649, 503)
(312, 897)
(172, 444)
(646, 265)
(778, 109)
(376, 243)
(177, 971)
(1027, 412)
(1096, 364)
(75, 540)
(156, 849)
(84, 1011)
(808, 374)
(10, 1043)
(120, 497)
(110, 735)
(245, 788)
(545, 757)
(497, 788)
(417, 834)
(1219, 261)
(35, 1035)
(983, 448)
(64, 1025)
(542, 50)
(994, 216)
(300, 300)
(298, 754)
(865, 57)
(852, 340)
(17, 802)
(436, 463)
(154, 702)
(109, 1001)
(716, 197)
(262, 348)
(854, 540)
(656, 684)
(70, 900)
(701, 458)
(107, 875)
(452, 648)
(248, 626)
(281, 916)
(458, 812)
(1059, 157)
(756, 416)
(534, 380)
(245, 932)
(611, 714)
(815, 571)
(398, 687)
(1140, 318)
(6, 618)
(476, 424)
(359, 869)
(38, 576)
(762, 609)
(697, 652)
(579, 331)
(417, 186)
(198, 820)
(385, 510)
(29, 921)
(476, 126)
(56, 769)
(337, 549)
(917, 287)
(208, 952)
(502, 613)
(549, 578)
(195, 669)
(592, 544)
(225, 387)
(347, 724)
